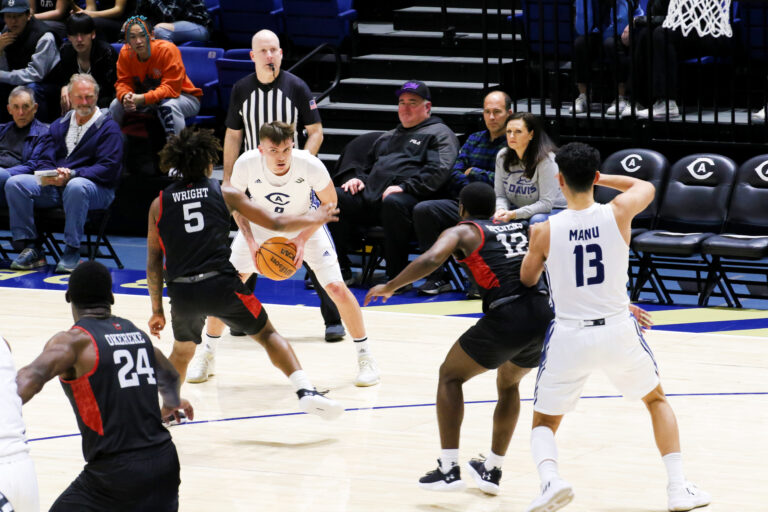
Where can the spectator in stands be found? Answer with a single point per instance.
(476, 162)
(669, 48)
(177, 21)
(526, 184)
(86, 148)
(22, 141)
(82, 53)
(406, 165)
(151, 77)
(28, 53)
(597, 24)
(279, 96)
(109, 16)
(53, 12)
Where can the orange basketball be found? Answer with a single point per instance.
(275, 258)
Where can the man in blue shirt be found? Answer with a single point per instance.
(476, 162)
(86, 150)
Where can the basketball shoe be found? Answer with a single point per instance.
(760, 114)
(311, 401)
(368, 375)
(687, 497)
(579, 105)
(436, 480)
(487, 480)
(555, 494)
(202, 366)
(617, 106)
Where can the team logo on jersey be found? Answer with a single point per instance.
(117, 326)
(762, 170)
(258, 180)
(699, 170)
(300, 180)
(631, 163)
(278, 198)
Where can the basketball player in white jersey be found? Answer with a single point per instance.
(586, 253)
(18, 480)
(281, 179)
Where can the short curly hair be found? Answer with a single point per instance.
(578, 164)
(191, 153)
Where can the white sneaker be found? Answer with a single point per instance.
(368, 374)
(687, 497)
(313, 402)
(760, 114)
(202, 366)
(627, 110)
(579, 104)
(660, 109)
(555, 494)
(617, 106)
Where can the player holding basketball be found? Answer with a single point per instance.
(18, 480)
(189, 228)
(281, 179)
(112, 375)
(586, 253)
(508, 337)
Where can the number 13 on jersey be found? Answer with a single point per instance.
(594, 261)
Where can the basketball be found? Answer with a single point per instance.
(275, 258)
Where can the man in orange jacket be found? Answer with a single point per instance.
(151, 77)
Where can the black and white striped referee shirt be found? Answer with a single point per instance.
(252, 104)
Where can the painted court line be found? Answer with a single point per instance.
(405, 406)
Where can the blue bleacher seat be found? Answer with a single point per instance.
(231, 68)
(240, 19)
(548, 26)
(200, 64)
(310, 23)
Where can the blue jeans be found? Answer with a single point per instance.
(182, 32)
(541, 217)
(3, 178)
(78, 196)
(172, 112)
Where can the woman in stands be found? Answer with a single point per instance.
(525, 182)
(109, 16)
(177, 21)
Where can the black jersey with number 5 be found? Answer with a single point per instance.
(116, 402)
(193, 224)
(495, 264)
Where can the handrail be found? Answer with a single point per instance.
(336, 79)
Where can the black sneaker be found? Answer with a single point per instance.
(435, 285)
(487, 481)
(473, 292)
(436, 480)
(334, 332)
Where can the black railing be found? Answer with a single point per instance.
(308, 57)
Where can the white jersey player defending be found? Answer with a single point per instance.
(281, 179)
(586, 253)
(18, 480)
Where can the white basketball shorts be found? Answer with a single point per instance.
(319, 253)
(18, 484)
(571, 353)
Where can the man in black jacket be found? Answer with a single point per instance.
(406, 165)
(83, 53)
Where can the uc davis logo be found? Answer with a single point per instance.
(631, 163)
(762, 170)
(699, 170)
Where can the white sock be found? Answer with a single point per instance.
(448, 459)
(674, 464)
(210, 342)
(300, 380)
(544, 452)
(493, 461)
(361, 346)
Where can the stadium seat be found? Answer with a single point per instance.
(548, 26)
(644, 164)
(231, 68)
(200, 64)
(692, 209)
(743, 246)
(311, 23)
(240, 19)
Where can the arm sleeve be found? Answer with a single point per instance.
(124, 83)
(239, 178)
(173, 76)
(234, 119)
(498, 183)
(44, 59)
(546, 171)
(305, 102)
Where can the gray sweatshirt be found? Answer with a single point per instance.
(527, 197)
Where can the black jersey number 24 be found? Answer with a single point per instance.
(129, 373)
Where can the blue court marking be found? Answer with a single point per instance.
(406, 406)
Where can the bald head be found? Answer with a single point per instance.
(496, 108)
(267, 55)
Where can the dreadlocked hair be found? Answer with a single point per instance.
(191, 153)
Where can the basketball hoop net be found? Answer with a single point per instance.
(708, 17)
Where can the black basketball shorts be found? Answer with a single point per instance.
(223, 296)
(512, 332)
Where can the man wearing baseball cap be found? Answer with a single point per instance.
(406, 165)
(28, 52)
